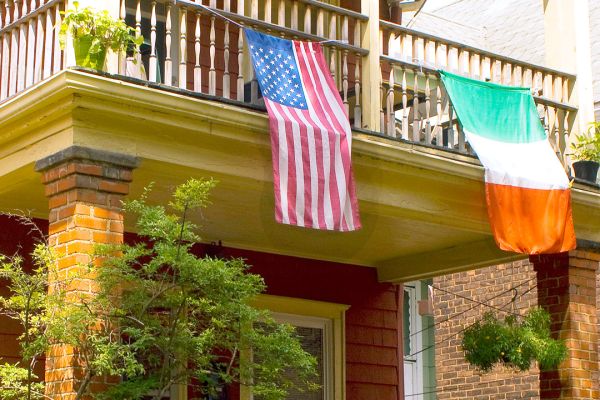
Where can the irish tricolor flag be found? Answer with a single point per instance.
(527, 189)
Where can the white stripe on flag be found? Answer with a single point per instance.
(322, 88)
(314, 175)
(298, 164)
(326, 143)
(283, 164)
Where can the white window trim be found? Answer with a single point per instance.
(416, 340)
(317, 314)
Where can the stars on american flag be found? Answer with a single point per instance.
(276, 72)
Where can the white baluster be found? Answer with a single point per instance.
(153, 61)
(183, 48)
(14, 53)
(58, 56)
(357, 57)
(197, 48)
(405, 109)
(48, 45)
(122, 54)
(439, 131)
(6, 54)
(332, 36)
(31, 42)
(226, 75)
(268, 11)
(212, 73)
(168, 59)
(382, 101)
(281, 13)
(294, 15)
(22, 63)
(427, 110)
(416, 134)
(391, 119)
(39, 48)
(240, 79)
(307, 19)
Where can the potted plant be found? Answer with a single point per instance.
(93, 33)
(586, 150)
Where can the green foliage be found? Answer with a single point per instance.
(181, 317)
(14, 383)
(105, 31)
(28, 304)
(515, 344)
(160, 315)
(586, 147)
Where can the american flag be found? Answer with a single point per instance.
(310, 134)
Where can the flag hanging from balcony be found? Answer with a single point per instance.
(310, 134)
(527, 189)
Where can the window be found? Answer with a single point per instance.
(321, 328)
(419, 363)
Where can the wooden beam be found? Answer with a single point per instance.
(452, 259)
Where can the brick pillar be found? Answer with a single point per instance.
(567, 289)
(84, 189)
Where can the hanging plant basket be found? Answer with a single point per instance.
(514, 343)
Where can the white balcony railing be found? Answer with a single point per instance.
(189, 47)
(414, 105)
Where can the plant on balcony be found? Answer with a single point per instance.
(94, 33)
(160, 316)
(586, 150)
(513, 343)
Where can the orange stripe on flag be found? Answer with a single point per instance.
(531, 221)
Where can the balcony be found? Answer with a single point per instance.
(190, 106)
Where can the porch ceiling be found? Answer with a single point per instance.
(422, 209)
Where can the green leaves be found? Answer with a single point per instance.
(106, 32)
(515, 344)
(586, 146)
(14, 383)
(160, 314)
(186, 317)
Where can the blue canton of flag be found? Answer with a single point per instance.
(276, 69)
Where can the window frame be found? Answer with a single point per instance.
(312, 313)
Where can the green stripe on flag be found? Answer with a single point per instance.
(497, 112)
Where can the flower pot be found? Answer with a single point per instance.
(84, 58)
(586, 170)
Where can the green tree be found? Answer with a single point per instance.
(160, 315)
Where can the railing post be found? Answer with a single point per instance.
(371, 67)
(568, 49)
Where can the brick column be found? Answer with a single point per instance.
(84, 189)
(567, 289)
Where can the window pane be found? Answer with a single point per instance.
(312, 342)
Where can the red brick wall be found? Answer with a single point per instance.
(371, 320)
(456, 379)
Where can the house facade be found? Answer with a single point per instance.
(515, 29)
(75, 142)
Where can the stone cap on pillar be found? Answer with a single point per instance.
(87, 154)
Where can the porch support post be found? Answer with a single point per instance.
(84, 188)
(371, 67)
(567, 290)
(567, 46)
